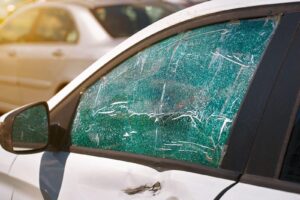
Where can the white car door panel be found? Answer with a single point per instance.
(248, 192)
(6, 161)
(24, 177)
(19, 179)
(90, 177)
(48, 176)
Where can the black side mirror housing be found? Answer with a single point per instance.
(26, 129)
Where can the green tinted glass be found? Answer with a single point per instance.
(178, 98)
(30, 129)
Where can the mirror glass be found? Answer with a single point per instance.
(30, 129)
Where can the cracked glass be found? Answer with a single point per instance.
(178, 98)
(30, 129)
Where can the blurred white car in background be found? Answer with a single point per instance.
(43, 46)
(186, 3)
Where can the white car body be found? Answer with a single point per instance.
(90, 177)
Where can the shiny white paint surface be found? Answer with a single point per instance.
(19, 176)
(89, 177)
(24, 177)
(6, 161)
(250, 192)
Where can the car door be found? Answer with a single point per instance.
(273, 168)
(163, 115)
(52, 48)
(13, 33)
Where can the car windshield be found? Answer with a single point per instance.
(126, 19)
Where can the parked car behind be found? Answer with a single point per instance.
(185, 3)
(45, 45)
(203, 104)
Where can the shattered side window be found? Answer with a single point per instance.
(178, 98)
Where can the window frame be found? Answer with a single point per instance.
(288, 141)
(229, 171)
(281, 113)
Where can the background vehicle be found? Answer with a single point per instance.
(202, 104)
(45, 45)
(185, 3)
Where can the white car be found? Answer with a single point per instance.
(203, 104)
(45, 45)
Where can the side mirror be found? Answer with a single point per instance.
(26, 129)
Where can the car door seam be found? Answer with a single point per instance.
(221, 194)
(12, 163)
